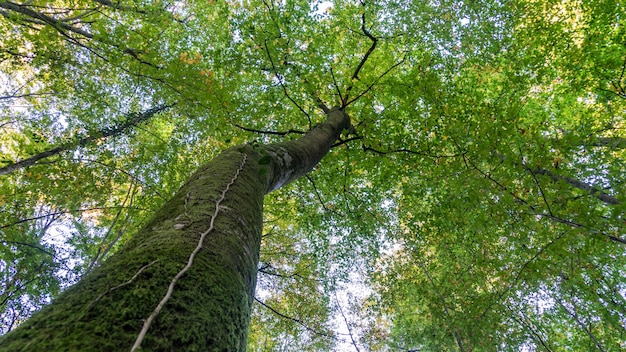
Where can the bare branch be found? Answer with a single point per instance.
(55, 23)
(376, 81)
(17, 96)
(345, 319)
(355, 75)
(297, 321)
(264, 270)
(501, 295)
(97, 259)
(317, 194)
(35, 246)
(280, 81)
(580, 323)
(276, 133)
(342, 142)
(61, 213)
(457, 336)
(336, 85)
(367, 148)
(63, 28)
(611, 142)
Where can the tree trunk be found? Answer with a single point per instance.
(186, 281)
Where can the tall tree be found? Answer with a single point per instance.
(204, 243)
(477, 204)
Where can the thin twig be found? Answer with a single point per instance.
(132, 190)
(336, 85)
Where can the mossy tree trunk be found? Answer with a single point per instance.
(186, 281)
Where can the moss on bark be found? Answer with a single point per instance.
(210, 307)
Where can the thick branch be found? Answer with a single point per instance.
(594, 191)
(369, 52)
(58, 24)
(611, 142)
(107, 132)
(64, 29)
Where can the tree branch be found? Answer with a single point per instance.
(611, 142)
(594, 191)
(61, 213)
(376, 81)
(580, 323)
(537, 212)
(345, 319)
(45, 19)
(63, 28)
(317, 194)
(280, 81)
(276, 133)
(344, 141)
(456, 334)
(104, 133)
(367, 148)
(355, 75)
(297, 321)
(357, 70)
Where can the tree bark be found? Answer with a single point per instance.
(186, 281)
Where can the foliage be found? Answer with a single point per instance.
(477, 205)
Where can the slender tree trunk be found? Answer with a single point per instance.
(186, 281)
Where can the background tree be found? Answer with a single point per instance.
(477, 206)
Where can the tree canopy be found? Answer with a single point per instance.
(477, 204)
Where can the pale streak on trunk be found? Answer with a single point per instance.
(211, 298)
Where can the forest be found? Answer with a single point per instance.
(287, 175)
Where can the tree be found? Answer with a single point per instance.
(212, 228)
(477, 203)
